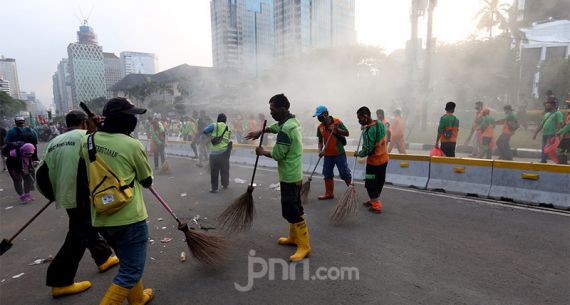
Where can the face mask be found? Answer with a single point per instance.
(321, 118)
(363, 122)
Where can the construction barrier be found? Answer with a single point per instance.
(533, 183)
(461, 176)
(408, 170)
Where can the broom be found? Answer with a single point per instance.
(207, 249)
(6, 244)
(347, 204)
(238, 216)
(306, 187)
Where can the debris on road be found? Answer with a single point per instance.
(183, 195)
(182, 256)
(166, 240)
(159, 219)
(164, 228)
(240, 181)
(8, 207)
(18, 275)
(40, 261)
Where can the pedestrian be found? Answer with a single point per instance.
(564, 146)
(447, 131)
(238, 128)
(158, 138)
(550, 125)
(288, 152)
(382, 118)
(3, 132)
(333, 151)
(220, 150)
(126, 230)
(203, 121)
(510, 125)
(375, 150)
(487, 130)
(398, 127)
(194, 133)
(62, 177)
(20, 142)
(477, 141)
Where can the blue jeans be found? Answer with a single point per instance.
(545, 140)
(130, 245)
(341, 165)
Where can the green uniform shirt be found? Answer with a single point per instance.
(448, 122)
(62, 158)
(565, 130)
(216, 130)
(288, 150)
(370, 137)
(550, 119)
(128, 160)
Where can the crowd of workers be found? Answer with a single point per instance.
(70, 169)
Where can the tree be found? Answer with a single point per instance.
(492, 14)
(164, 88)
(139, 93)
(10, 106)
(555, 76)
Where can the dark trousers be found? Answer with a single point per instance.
(544, 156)
(374, 179)
(504, 147)
(220, 166)
(448, 149)
(23, 182)
(194, 148)
(159, 151)
(81, 235)
(291, 208)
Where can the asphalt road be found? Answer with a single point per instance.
(424, 249)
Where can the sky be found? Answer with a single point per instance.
(178, 31)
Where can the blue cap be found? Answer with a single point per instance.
(320, 110)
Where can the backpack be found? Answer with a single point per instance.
(108, 192)
(8, 147)
(26, 135)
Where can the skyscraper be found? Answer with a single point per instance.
(86, 65)
(9, 72)
(4, 85)
(292, 27)
(332, 23)
(113, 70)
(138, 62)
(242, 34)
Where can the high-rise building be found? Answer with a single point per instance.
(332, 23)
(242, 34)
(64, 86)
(113, 71)
(139, 63)
(56, 93)
(292, 27)
(4, 86)
(9, 72)
(86, 66)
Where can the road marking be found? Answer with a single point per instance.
(492, 202)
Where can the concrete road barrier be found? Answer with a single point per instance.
(408, 170)
(532, 183)
(461, 176)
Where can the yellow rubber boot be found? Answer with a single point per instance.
(115, 295)
(71, 289)
(139, 296)
(288, 241)
(111, 261)
(303, 246)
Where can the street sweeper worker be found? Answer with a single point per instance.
(487, 130)
(398, 127)
(125, 230)
(333, 152)
(220, 150)
(374, 148)
(288, 152)
(447, 131)
(62, 177)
